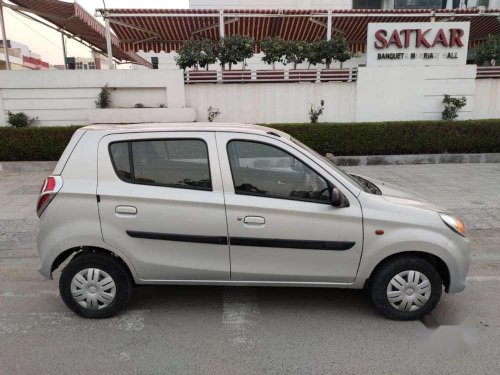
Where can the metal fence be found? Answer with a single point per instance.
(261, 76)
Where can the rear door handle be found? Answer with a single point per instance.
(126, 210)
(254, 220)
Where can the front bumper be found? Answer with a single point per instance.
(459, 248)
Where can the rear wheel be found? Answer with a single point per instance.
(406, 288)
(95, 285)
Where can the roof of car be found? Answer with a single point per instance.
(185, 126)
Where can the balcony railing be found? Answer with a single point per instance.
(488, 72)
(262, 76)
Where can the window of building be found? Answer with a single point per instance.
(79, 65)
(91, 65)
(267, 171)
(176, 163)
(154, 61)
(367, 4)
(420, 4)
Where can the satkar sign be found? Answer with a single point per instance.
(419, 43)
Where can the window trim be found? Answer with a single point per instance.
(132, 170)
(331, 186)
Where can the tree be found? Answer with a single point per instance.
(234, 49)
(341, 49)
(207, 54)
(489, 52)
(315, 52)
(296, 52)
(188, 55)
(452, 106)
(274, 50)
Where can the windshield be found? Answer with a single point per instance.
(347, 176)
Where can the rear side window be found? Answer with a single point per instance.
(177, 163)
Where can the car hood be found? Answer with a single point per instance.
(398, 195)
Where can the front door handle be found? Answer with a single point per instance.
(126, 210)
(254, 220)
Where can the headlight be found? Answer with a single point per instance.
(454, 224)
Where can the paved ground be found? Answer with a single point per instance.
(215, 330)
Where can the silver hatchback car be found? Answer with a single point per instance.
(232, 204)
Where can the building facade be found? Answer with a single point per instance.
(21, 57)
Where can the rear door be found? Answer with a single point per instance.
(282, 227)
(162, 203)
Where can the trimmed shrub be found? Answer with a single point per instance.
(376, 138)
(393, 138)
(47, 143)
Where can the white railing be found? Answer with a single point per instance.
(261, 76)
(488, 72)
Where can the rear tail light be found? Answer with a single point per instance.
(50, 188)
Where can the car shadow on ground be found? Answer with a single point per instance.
(266, 299)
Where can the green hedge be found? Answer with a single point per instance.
(394, 138)
(381, 138)
(17, 144)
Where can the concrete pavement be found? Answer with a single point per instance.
(233, 330)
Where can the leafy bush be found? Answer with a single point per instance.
(20, 119)
(315, 112)
(104, 97)
(375, 138)
(452, 106)
(489, 52)
(394, 138)
(213, 113)
(139, 105)
(35, 143)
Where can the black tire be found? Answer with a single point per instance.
(384, 274)
(107, 263)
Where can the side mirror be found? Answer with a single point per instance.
(338, 199)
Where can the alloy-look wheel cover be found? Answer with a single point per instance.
(408, 291)
(93, 289)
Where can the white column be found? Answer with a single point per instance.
(64, 51)
(329, 25)
(221, 23)
(4, 35)
(108, 42)
(449, 4)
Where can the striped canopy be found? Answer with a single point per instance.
(74, 19)
(166, 29)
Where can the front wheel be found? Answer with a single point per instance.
(95, 285)
(406, 288)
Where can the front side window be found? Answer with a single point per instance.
(264, 170)
(177, 163)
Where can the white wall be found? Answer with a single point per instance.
(273, 102)
(65, 97)
(412, 93)
(487, 103)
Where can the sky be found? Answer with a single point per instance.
(47, 42)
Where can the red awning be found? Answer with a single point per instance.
(75, 20)
(166, 29)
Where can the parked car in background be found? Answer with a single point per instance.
(232, 204)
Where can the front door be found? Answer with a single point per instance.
(162, 204)
(282, 227)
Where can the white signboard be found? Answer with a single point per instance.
(417, 43)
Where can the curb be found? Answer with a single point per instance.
(415, 159)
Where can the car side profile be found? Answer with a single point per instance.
(233, 204)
